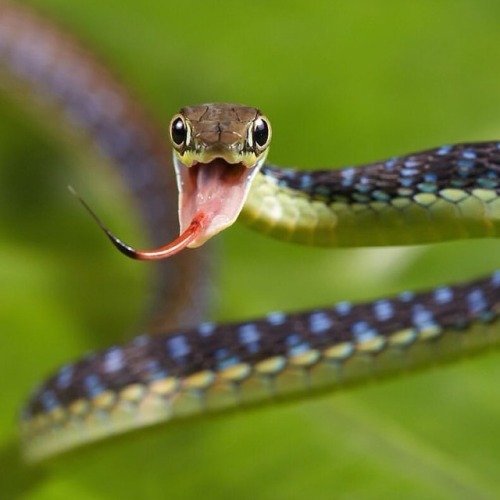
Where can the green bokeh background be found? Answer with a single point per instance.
(343, 82)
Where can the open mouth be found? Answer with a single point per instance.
(215, 192)
(211, 196)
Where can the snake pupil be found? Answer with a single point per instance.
(179, 131)
(260, 132)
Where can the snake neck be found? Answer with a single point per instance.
(447, 193)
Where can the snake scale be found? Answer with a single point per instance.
(445, 193)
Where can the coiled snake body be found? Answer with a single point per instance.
(446, 193)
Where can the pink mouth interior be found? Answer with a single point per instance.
(211, 197)
(215, 191)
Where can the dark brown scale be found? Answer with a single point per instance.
(446, 307)
(463, 166)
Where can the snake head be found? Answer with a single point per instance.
(218, 150)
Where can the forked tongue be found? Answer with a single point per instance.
(211, 197)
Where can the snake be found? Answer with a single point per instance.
(214, 173)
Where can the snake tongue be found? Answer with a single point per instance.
(215, 190)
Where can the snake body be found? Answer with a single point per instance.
(445, 193)
(157, 378)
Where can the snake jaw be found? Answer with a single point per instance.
(216, 190)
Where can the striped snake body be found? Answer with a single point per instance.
(446, 193)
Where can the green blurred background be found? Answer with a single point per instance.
(343, 82)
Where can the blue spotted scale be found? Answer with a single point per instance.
(161, 377)
(440, 194)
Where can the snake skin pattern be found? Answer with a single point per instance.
(441, 194)
(157, 378)
(462, 167)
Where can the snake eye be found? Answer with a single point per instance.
(178, 131)
(261, 132)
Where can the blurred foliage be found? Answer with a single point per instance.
(343, 82)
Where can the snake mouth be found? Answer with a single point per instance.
(211, 196)
(215, 191)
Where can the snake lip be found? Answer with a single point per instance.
(217, 190)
